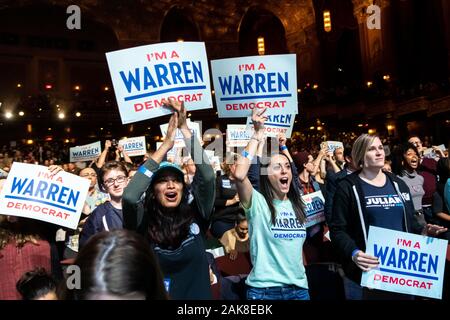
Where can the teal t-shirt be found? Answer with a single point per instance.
(275, 250)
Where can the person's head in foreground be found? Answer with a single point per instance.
(118, 265)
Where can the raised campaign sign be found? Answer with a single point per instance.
(86, 152)
(179, 138)
(238, 135)
(409, 263)
(31, 192)
(145, 76)
(242, 84)
(276, 124)
(314, 208)
(134, 146)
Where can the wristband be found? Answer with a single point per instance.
(247, 155)
(354, 252)
(282, 148)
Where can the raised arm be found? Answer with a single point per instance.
(120, 153)
(133, 216)
(244, 187)
(253, 171)
(102, 158)
(203, 184)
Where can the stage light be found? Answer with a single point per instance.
(21, 113)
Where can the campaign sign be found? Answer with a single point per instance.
(409, 263)
(242, 84)
(85, 153)
(430, 153)
(314, 208)
(134, 146)
(275, 124)
(332, 145)
(238, 135)
(144, 76)
(179, 138)
(31, 192)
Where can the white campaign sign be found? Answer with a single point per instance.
(85, 153)
(242, 84)
(144, 76)
(179, 138)
(276, 124)
(31, 192)
(332, 145)
(134, 146)
(238, 135)
(409, 263)
(314, 208)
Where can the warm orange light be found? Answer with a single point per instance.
(261, 46)
(327, 20)
(48, 86)
(77, 88)
(369, 84)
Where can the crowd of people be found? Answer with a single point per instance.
(147, 222)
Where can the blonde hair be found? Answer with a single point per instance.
(360, 147)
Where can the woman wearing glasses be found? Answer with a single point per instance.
(113, 179)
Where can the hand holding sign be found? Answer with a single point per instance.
(258, 119)
(365, 261)
(179, 108)
(54, 169)
(282, 139)
(433, 230)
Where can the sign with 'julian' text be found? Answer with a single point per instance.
(409, 263)
(31, 192)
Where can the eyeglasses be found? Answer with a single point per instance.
(94, 175)
(111, 181)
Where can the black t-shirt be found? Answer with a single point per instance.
(384, 206)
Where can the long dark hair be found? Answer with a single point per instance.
(119, 263)
(167, 228)
(35, 284)
(293, 194)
